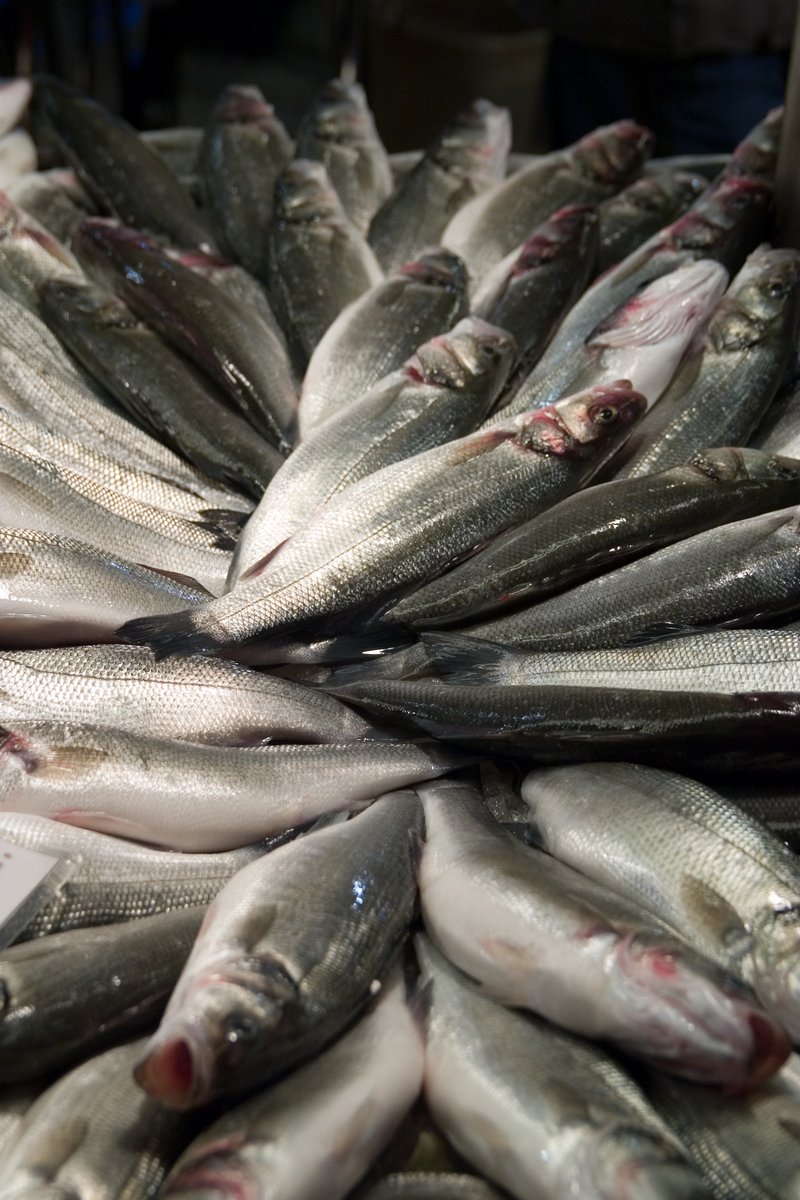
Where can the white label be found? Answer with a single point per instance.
(22, 872)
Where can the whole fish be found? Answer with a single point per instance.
(57, 591)
(29, 255)
(200, 700)
(725, 386)
(288, 955)
(743, 1145)
(113, 879)
(536, 934)
(244, 149)
(119, 169)
(644, 340)
(543, 1113)
(442, 392)
(557, 723)
(195, 797)
(678, 848)
(339, 131)
(404, 523)
(376, 333)
(739, 572)
(54, 198)
(73, 994)
(489, 226)
(725, 223)
(600, 527)
(317, 261)
(641, 210)
(779, 431)
(529, 290)
(467, 158)
(229, 342)
(93, 1136)
(160, 389)
(313, 1135)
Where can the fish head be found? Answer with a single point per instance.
(340, 114)
(756, 155)
(437, 268)
(218, 1035)
(477, 142)
(728, 216)
(105, 247)
(304, 194)
(776, 961)
(472, 350)
(696, 1021)
(241, 104)
(78, 300)
(602, 414)
(761, 299)
(627, 1162)
(729, 464)
(613, 154)
(568, 231)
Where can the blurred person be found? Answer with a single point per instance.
(699, 73)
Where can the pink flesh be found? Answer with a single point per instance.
(167, 1074)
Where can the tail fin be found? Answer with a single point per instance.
(464, 659)
(172, 633)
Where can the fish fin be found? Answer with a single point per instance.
(178, 577)
(470, 660)
(506, 953)
(712, 912)
(419, 1003)
(790, 1126)
(70, 760)
(101, 822)
(172, 633)
(48, 1152)
(260, 566)
(663, 631)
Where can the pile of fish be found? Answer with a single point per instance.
(400, 657)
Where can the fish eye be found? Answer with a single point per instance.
(492, 352)
(239, 1027)
(605, 415)
(775, 288)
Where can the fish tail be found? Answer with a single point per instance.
(172, 633)
(464, 659)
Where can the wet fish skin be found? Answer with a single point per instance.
(199, 700)
(489, 226)
(376, 333)
(287, 957)
(641, 210)
(230, 343)
(775, 805)
(779, 431)
(726, 385)
(139, 187)
(73, 994)
(403, 523)
(739, 572)
(117, 880)
(13, 1105)
(93, 1134)
(317, 260)
(339, 131)
(468, 156)
(314, 1134)
(735, 897)
(530, 289)
(190, 797)
(598, 528)
(539, 1111)
(161, 390)
(244, 149)
(442, 392)
(557, 723)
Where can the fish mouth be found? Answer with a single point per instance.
(171, 1072)
(771, 1048)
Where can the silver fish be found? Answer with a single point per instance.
(29, 255)
(267, 983)
(14, 1103)
(779, 431)
(642, 209)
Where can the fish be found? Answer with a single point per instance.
(490, 225)
(404, 523)
(229, 342)
(190, 797)
(317, 260)
(110, 879)
(641, 210)
(339, 132)
(15, 96)
(244, 149)
(441, 393)
(54, 198)
(743, 1145)
(201, 700)
(601, 527)
(14, 1103)
(93, 1134)
(234, 281)
(529, 290)
(72, 994)
(775, 805)
(375, 334)
(119, 169)
(538, 1111)
(738, 572)
(719, 660)
(315, 1133)
(727, 383)
(756, 155)
(643, 340)
(558, 723)
(179, 146)
(468, 157)
(29, 255)
(779, 430)
(268, 984)
(58, 591)
(159, 388)
(721, 880)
